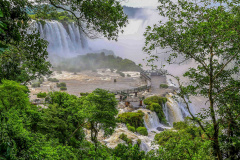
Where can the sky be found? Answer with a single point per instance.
(140, 3)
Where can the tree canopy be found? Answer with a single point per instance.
(206, 32)
(95, 17)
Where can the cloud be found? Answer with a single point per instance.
(140, 3)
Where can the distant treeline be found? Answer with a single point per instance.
(93, 61)
(62, 17)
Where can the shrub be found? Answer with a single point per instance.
(155, 99)
(142, 131)
(125, 138)
(83, 94)
(131, 128)
(47, 99)
(35, 85)
(134, 119)
(163, 86)
(41, 95)
(139, 142)
(128, 75)
(63, 88)
(62, 84)
(53, 80)
(180, 125)
(94, 70)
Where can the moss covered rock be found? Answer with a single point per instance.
(155, 99)
(134, 119)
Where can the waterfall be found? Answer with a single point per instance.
(64, 39)
(165, 111)
(151, 121)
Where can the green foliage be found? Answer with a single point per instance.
(83, 94)
(93, 61)
(53, 80)
(62, 117)
(131, 128)
(128, 152)
(142, 131)
(42, 14)
(36, 84)
(100, 109)
(26, 56)
(62, 84)
(42, 95)
(94, 15)
(125, 138)
(21, 140)
(163, 86)
(179, 125)
(134, 119)
(2, 27)
(181, 144)
(63, 88)
(155, 99)
(139, 142)
(128, 75)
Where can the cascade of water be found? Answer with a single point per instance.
(165, 111)
(63, 40)
(151, 120)
(174, 111)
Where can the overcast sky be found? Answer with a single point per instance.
(141, 3)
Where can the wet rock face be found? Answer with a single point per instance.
(160, 129)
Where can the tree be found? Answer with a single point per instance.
(100, 107)
(206, 32)
(26, 56)
(2, 27)
(63, 119)
(189, 142)
(94, 17)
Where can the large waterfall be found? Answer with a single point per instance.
(65, 39)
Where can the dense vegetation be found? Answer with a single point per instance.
(41, 15)
(56, 132)
(96, 61)
(134, 121)
(189, 142)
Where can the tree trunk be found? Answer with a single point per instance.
(216, 147)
